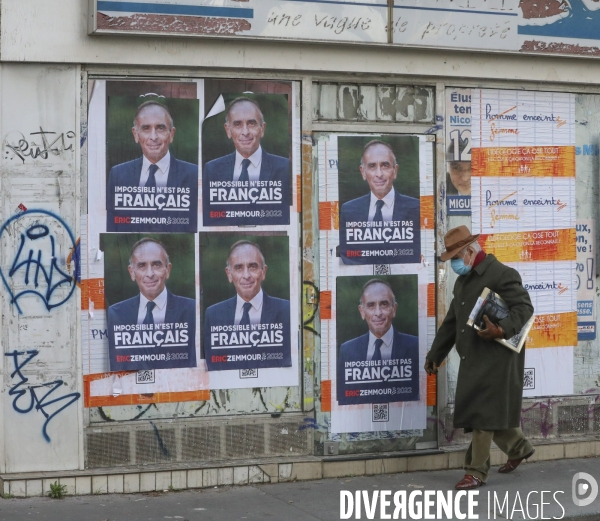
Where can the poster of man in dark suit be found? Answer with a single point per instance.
(382, 226)
(156, 191)
(251, 329)
(381, 365)
(250, 185)
(155, 329)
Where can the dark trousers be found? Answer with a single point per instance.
(510, 441)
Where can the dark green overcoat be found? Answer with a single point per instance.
(489, 388)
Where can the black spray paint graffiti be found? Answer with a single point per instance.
(35, 264)
(51, 144)
(47, 405)
(311, 304)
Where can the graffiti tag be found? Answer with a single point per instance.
(40, 396)
(51, 144)
(36, 265)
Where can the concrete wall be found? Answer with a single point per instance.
(41, 410)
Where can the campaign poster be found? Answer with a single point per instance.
(458, 152)
(245, 300)
(150, 300)
(246, 158)
(151, 157)
(377, 332)
(379, 197)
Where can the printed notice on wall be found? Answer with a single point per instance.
(586, 279)
(458, 152)
(523, 204)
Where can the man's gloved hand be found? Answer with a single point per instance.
(491, 331)
(430, 367)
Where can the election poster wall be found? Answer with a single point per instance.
(377, 319)
(378, 186)
(458, 151)
(523, 201)
(150, 300)
(129, 353)
(245, 301)
(151, 158)
(246, 150)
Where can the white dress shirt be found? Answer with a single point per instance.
(387, 211)
(255, 310)
(159, 311)
(253, 167)
(161, 175)
(386, 347)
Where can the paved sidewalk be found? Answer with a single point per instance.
(320, 500)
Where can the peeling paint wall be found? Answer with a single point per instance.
(41, 406)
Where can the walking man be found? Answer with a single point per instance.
(489, 388)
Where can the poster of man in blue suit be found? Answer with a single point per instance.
(383, 225)
(250, 185)
(155, 328)
(250, 329)
(155, 191)
(382, 364)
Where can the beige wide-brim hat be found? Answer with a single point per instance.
(455, 240)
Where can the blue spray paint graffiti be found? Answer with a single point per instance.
(38, 267)
(40, 403)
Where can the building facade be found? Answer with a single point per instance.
(490, 111)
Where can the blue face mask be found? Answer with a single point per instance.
(459, 267)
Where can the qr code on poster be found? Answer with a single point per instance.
(382, 269)
(146, 376)
(529, 379)
(381, 412)
(248, 373)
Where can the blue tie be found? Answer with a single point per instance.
(378, 217)
(244, 175)
(149, 318)
(377, 353)
(151, 182)
(246, 315)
